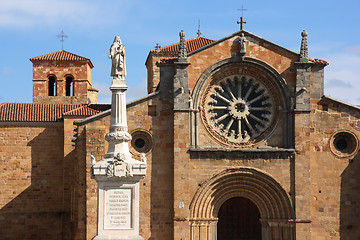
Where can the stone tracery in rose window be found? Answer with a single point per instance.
(238, 109)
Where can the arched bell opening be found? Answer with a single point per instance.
(52, 86)
(69, 86)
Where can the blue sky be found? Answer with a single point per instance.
(29, 28)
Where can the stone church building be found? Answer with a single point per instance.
(240, 141)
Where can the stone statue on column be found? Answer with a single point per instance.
(118, 174)
(117, 55)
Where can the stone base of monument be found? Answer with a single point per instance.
(118, 213)
(117, 238)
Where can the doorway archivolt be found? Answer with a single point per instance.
(276, 211)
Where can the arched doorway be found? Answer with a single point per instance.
(239, 218)
(239, 190)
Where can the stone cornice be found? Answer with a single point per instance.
(241, 153)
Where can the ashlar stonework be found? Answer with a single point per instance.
(230, 129)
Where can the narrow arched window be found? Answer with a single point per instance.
(52, 86)
(69, 86)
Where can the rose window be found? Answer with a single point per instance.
(238, 109)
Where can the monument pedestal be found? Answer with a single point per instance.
(118, 198)
(118, 215)
(117, 238)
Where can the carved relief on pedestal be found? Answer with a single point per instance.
(239, 106)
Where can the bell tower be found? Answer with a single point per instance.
(62, 77)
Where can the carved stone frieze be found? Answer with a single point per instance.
(118, 137)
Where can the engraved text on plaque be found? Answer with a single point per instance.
(117, 209)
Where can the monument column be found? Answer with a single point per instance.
(118, 175)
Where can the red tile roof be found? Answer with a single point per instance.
(62, 56)
(191, 45)
(44, 112)
(81, 111)
(319, 61)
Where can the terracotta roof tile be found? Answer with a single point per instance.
(44, 112)
(62, 56)
(319, 61)
(81, 111)
(191, 45)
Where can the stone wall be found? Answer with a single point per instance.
(32, 177)
(334, 192)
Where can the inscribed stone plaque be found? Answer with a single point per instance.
(117, 208)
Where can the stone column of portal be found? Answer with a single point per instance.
(118, 175)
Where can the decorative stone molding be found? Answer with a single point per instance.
(344, 144)
(142, 141)
(241, 153)
(118, 137)
(304, 47)
(182, 47)
(261, 188)
(180, 88)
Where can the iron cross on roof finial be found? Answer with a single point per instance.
(199, 32)
(157, 47)
(241, 22)
(62, 36)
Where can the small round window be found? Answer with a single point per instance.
(344, 144)
(141, 141)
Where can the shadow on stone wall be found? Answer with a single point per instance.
(37, 212)
(70, 208)
(162, 179)
(350, 201)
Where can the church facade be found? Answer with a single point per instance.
(240, 141)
